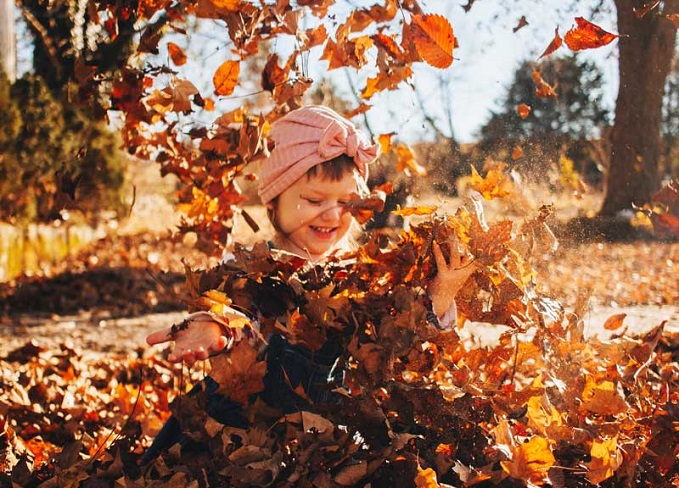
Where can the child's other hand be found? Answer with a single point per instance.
(201, 335)
(450, 276)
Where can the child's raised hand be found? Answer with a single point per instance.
(450, 276)
(199, 336)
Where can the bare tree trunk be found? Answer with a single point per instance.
(646, 47)
(8, 51)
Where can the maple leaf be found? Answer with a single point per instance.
(587, 36)
(386, 80)
(523, 110)
(555, 44)
(531, 461)
(496, 184)
(603, 397)
(238, 372)
(542, 88)
(176, 54)
(226, 78)
(314, 37)
(426, 478)
(606, 459)
(434, 39)
(418, 210)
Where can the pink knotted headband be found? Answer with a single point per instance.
(306, 137)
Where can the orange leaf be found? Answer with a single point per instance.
(176, 54)
(496, 184)
(522, 23)
(517, 153)
(238, 372)
(434, 39)
(385, 142)
(554, 45)
(426, 478)
(587, 36)
(523, 110)
(314, 37)
(603, 397)
(542, 88)
(419, 210)
(361, 109)
(386, 81)
(231, 5)
(406, 162)
(226, 78)
(389, 45)
(614, 321)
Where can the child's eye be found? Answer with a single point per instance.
(313, 201)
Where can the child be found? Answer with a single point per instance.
(318, 162)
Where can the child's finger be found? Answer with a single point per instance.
(159, 336)
(438, 256)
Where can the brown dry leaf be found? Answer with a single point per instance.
(273, 75)
(643, 11)
(434, 39)
(606, 459)
(530, 461)
(542, 88)
(496, 184)
(587, 36)
(523, 110)
(614, 321)
(238, 372)
(555, 44)
(225, 78)
(353, 473)
(386, 81)
(176, 54)
(406, 162)
(360, 109)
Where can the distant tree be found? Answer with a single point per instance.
(53, 157)
(565, 123)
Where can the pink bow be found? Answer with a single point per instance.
(338, 139)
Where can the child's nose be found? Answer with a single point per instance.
(333, 213)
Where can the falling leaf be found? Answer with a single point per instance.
(553, 45)
(517, 153)
(522, 23)
(386, 81)
(360, 109)
(176, 54)
(384, 141)
(496, 184)
(238, 372)
(614, 321)
(418, 210)
(272, 74)
(523, 110)
(542, 88)
(434, 39)
(406, 162)
(226, 78)
(643, 11)
(606, 459)
(587, 36)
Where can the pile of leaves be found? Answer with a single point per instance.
(543, 406)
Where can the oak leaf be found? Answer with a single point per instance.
(238, 372)
(226, 78)
(587, 36)
(434, 39)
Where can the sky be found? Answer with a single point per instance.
(484, 65)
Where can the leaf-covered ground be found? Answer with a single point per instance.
(66, 398)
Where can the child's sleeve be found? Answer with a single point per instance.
(449, 319)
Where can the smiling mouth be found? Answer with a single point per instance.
(323, 230)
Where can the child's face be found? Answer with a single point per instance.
(311, 215)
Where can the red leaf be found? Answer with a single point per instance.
(587, 36)
(434, 39)
(554, 45)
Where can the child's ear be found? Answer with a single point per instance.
(269, 206)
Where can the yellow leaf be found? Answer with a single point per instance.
(602, 397)
(426, 478)
(606, 458)
(542, 415)
(530, 461)
(496, 184)
(226, 4)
